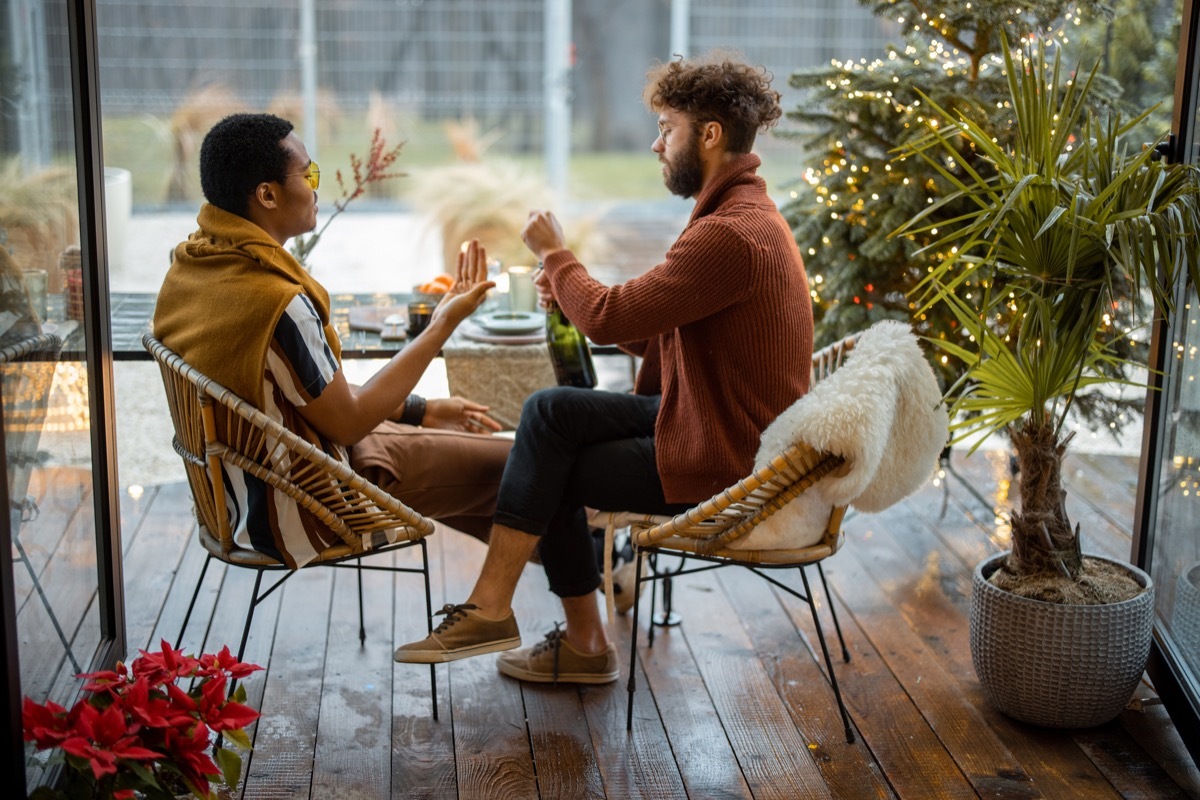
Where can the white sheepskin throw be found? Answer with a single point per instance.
(881, 410)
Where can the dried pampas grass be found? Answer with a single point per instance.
(39, 215)
(489, 199)
(290, 106)
(190, 122)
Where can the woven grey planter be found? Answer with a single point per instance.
(1054, 665)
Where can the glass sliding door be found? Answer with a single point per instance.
(59, 577)
(1167, 544)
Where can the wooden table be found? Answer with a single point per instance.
(499, 375)
(132, 312)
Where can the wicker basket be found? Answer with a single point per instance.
(1059, 666)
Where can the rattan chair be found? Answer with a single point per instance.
(213, 425)
(704, 533)
(26, 377)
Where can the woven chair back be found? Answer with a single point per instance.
(26, 377)
(710, 527)
(214, 426)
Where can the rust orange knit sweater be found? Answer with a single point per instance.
(724, 325)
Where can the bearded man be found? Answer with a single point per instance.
(731, 289)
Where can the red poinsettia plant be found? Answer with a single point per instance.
(377, 167)
(138, 733)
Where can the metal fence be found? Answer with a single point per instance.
(786, 35)
(434, 56)
(437, 58)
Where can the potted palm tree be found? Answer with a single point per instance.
(1074, 226)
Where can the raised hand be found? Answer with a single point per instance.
(470, 284)
(543, 234)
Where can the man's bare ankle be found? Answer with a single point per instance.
(491, 611)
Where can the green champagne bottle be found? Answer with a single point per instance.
(568, 351)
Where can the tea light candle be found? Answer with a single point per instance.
(419, 316)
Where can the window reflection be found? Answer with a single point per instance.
(1176, 542)
(47, 457)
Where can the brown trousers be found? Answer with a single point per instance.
(450, 476)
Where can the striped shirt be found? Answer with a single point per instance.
(299, 366)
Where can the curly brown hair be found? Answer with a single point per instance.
(716, 86)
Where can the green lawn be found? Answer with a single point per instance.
(147, 147)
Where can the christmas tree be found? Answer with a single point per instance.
(856, 193)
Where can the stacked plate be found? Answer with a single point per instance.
(507, 327)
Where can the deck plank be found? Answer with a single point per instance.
(282, 766)
(706, 760)
(848, 769)
(984, 760)
(422, 759)
(639, 763)
(1127, 766)
(773, 755)
(152, 560)
(936, 609)
(352, 757)
(560, 741)
(332, 711)
(900, 739)
(491, 739)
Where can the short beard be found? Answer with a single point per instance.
(685, 175)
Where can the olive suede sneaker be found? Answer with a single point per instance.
(462, 634)
(553, 660)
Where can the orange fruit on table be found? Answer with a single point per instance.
(444, 280)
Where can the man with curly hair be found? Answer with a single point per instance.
(731, 290)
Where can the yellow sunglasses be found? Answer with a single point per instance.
(312, 175)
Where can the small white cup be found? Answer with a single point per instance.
(522, 294)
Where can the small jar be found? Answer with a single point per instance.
(419, 316)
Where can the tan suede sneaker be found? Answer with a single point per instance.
(462, 634)
(553, 660)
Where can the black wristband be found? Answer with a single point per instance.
(414, 410)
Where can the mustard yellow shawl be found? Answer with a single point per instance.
(226, 289)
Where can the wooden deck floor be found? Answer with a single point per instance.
(730, 704)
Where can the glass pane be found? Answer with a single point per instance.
(45, 387)
(1174, 559)
(1176, 556)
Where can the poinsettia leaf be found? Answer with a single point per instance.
(231, 766)
(238, 736)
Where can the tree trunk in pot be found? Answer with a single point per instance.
(1042, 538)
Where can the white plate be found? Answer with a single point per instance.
(512, 322)
(477, 334)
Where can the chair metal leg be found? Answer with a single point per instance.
(812, 607)
(669, 617)
(192, 604)
(37, 587)
(632, 685)
(362, 624)
(833, 613)
(653, 600)
(254, 599)
(429, 624)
